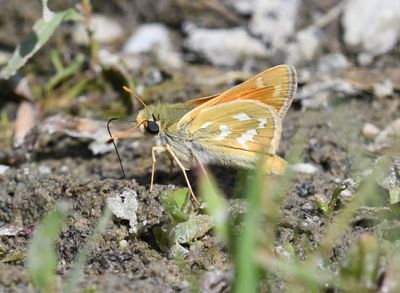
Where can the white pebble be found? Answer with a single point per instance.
(224, 47)
(370, 131)
(44, 169)
(105, 30)
(3, 169)
(124, 206)
(371, 26)
(383, 89)
(156, 38)
(305, 168)
(346, 193)
(123, 244)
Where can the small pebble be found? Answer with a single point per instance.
(384, 89)
(305, 168)
(305, 189)
(364, 59)
(64, 169)
(346, 193)
(44, 170)
(123, 244)
(155, 38)
(3, 169)
(224, 47)
(307, 207)
(370, 131)
(308, 43)
(105, 30)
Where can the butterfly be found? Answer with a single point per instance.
(231, 128)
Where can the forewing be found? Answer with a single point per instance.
(242, 127)
(275, 87)
(201, 101)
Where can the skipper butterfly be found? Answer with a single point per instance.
(231, 128)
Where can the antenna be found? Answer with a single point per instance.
(115, 146)
(128, 90)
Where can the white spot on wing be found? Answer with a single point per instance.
(246, 137)
(224, 132)
(263, 122)
(242, 117)
(205, 125)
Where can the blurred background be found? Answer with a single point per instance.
(62, 68)
(177, 50)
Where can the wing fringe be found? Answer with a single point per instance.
(275, 165)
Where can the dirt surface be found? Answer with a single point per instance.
(63, 168)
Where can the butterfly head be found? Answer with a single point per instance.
(147, 118)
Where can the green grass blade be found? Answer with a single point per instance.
(42, 258)
(247, 270)
(217, 207)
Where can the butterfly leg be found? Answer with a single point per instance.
(171, 164)
(170, 151)
(154, 149)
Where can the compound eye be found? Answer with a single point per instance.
(152, 127)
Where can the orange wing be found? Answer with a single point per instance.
(242, 127)
(275, 87)
(201, 101)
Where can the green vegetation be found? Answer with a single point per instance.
(42, 258)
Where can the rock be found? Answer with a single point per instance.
(307, 207)
(274, 20)
(306, 46)
(383, 89)
(154, 38)
(3, 169)
(243, 7)
(320, 100)
(83, 128)
(44, 169)
(370, 131)
(124, 206)
(364, 59)
(105, 31)
(305, 168)
(365, 79)
(333, 64)
(215, 281)
(371, 26)
(316, 94)
(224, 47)
(346, 193)
(4, 57)
(387, 175)
(388, 135)
(123, 244)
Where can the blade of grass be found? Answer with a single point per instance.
(342, 221)
(308, 274)
(56, 60)
(65, 73)
(217, 207)
(247, 271)
(42, 258)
